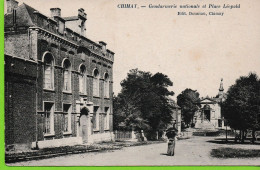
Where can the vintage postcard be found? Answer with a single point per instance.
(132, 82)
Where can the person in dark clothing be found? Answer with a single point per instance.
(171, 133)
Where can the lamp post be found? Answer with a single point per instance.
(225, 122)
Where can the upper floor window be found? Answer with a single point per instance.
(96, 83)
(48, 75)
(82, 80)
(66, 75)
(106, 85)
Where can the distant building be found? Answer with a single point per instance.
(209, 116)
(58, 83)
(176, 115)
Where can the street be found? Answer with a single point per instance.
(193, 151)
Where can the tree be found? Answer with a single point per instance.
(143, 103)
(241, 108)
(188, 100)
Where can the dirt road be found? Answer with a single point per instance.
(194, 151)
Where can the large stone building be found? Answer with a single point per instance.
(58, 83)
(209, 115)
(176, 115)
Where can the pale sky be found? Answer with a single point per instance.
(194, 51)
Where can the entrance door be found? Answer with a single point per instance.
(84, 125)
(207, 114)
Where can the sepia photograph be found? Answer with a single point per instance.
(131, 83)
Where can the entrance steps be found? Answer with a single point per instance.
(204, 125)
(205, 128)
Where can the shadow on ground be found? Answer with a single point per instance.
(231, 141)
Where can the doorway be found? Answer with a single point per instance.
(207, 114)
(83, 124)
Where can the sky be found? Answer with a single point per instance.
(194, 51)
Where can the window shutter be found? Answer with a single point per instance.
(94, 120)
(85, 85)
(95, 87)
(81, 85)
(48, 77)
(47, 127)
(66, 122)
(66, 80)
(107, 88)
(105, 121)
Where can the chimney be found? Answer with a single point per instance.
(103, 45)
(82, 14)
(11, 4)
(83, 17)
(55, 12)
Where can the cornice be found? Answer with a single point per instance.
(54, 36)
(65, 41)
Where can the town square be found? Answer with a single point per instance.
(126, 87)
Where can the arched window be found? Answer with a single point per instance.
(96, 83)
(82, 79)
(66, 75)
(106, 85)
(48, 75)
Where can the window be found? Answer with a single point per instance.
(106, 86)
(47, 124)
(48, 119)
(48, 71)
(96, 118)
(82, 80)
(66, 75)
(96, 83)
(66, 118)
(106, 118)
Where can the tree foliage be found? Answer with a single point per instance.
(143, 103)
(242, 107)
(188, 100)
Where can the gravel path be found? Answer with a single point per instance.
(193, 151)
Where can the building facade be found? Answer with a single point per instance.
(209, 115)
(176, 115)
(58, 83)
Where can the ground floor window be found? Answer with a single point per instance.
(106, 118)
(48, 118)
(96, 118)
(66, 118)
(47, 127)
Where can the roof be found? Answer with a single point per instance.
(212, 100)
(24, 16)
(70, 18)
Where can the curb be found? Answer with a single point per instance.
(13, 159)
(46, 156)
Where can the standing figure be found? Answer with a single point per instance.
(171, 134)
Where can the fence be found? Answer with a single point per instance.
(123, 135)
